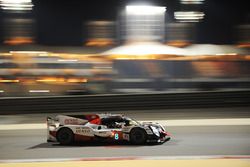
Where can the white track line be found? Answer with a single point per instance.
(186, 122)
(127, 158)
(22, 126)
(205, 122)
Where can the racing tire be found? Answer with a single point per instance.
(138, 136)
(65, 136)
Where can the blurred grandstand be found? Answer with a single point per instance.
(125, 69)
(47, 73)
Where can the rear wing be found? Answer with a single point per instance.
(51, 126)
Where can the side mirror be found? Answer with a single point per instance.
(126, 122)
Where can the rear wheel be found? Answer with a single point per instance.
(138, 136)
(65, 136)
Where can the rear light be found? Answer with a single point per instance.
(112, 134)
(166, 133)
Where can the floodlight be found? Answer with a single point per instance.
(145, 10)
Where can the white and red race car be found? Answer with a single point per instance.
(67, 129)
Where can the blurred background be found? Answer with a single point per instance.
(183, 63)
(94, 47)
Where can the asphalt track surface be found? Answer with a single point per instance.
(186, 140)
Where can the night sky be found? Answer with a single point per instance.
(59, 22)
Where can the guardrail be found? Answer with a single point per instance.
(123, 102)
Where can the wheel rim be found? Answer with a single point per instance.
(65, 136)
(137, 137)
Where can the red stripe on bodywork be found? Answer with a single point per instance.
(52, 133)
(78, 137)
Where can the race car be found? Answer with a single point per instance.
(67, 129)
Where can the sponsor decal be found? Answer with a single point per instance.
(82, 130)
(71, 121)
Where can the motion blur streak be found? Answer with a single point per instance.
(145, 10)
(189, 16)
(39, 91)
(16, 4)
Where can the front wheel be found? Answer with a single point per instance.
(138, 136)
(65, 136)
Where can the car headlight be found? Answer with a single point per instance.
(155, 131)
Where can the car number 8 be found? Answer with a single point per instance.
(116, 136)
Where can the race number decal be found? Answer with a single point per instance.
(116, 136)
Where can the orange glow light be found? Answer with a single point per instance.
(178, 43)
(51, 80)
(99, 42)
(75, 80)
(18, 41)
(8, 80)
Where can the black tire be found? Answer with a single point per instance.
(65, 136)
(138, 136)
